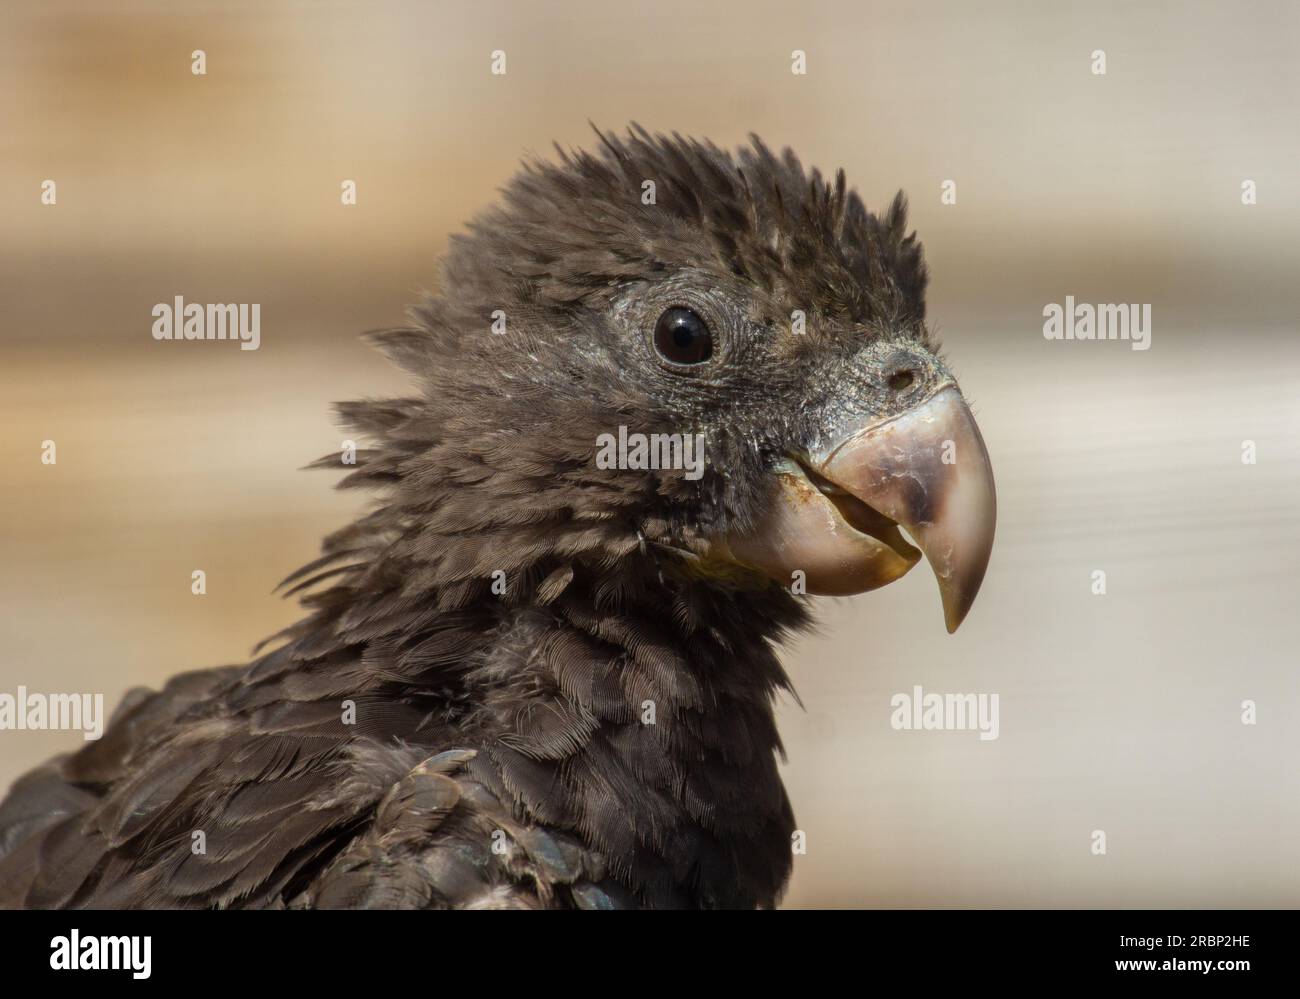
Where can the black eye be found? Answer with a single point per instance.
(683, 337)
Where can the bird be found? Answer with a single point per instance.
(525, 677)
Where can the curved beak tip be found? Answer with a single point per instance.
(929, 471)
(955, 609)
(837, 516)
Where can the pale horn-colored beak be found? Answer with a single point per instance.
(928, 471)
(834, 515)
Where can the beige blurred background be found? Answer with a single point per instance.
(1119, 713)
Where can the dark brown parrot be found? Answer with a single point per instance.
(529, 677)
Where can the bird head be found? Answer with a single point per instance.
(660, 349)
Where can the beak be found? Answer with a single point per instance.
(836, 514)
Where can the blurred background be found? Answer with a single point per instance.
(1118, 713)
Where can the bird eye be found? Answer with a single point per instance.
(683, 337)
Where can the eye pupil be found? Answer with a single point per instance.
(682, 337)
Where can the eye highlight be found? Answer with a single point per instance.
(682, 337)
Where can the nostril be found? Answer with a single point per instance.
(901, 380)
